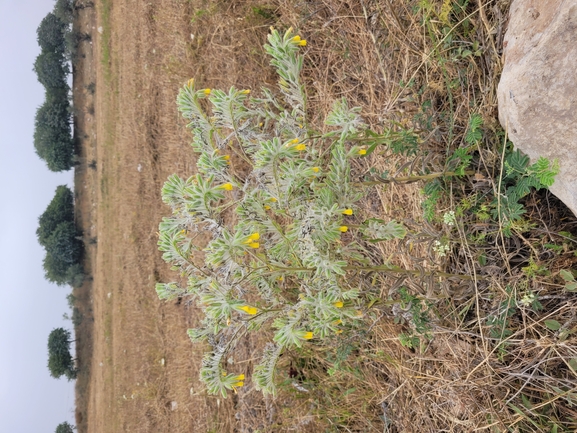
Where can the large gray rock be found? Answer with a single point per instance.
(537, 93)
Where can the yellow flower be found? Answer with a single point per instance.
(338, 304)
(308, 335)
(339, 331)
(295, 141)
(226, 157)
(316, 169)
(238, 384)
(266, 207)
(240, 377)
(362, 151)
(273, 199)
(223, 373)
(249, 310)
(206, 92)
(245, 92)
(303, 43)
(190, 82)
(343, 229)
(337, 322)
(348, 212)
(252, 240)
(297, 38)
(300, 147)
(227, 186)
(254, 245)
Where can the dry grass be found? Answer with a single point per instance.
(139, 371)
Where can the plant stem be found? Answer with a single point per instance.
(399, 270)
(382, 268)
(416, 178)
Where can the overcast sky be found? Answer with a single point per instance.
(30, 307)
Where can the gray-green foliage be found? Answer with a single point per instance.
(286, 262)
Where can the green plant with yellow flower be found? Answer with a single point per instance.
(282, 260)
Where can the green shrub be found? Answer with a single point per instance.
(52, 70)
(63, 243)
(64, 10)
(60, 361)
(75, 275)
(62, 273)
(65, 427)
(53, 133)
(63, 253)
(289, 257)
(57, 233)
(50, 34)
(59, 210)
(517, 181)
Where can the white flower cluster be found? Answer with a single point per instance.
(441, 248)
(449, 218)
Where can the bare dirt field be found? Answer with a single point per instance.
(138, 368)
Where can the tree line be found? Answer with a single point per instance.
(54, 143)
(53, 139)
